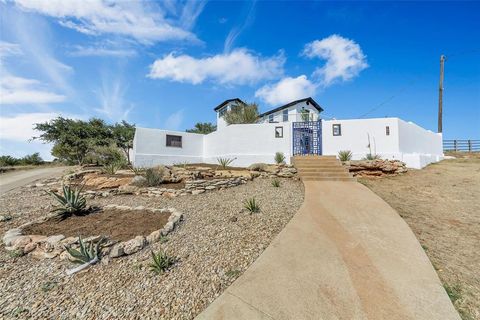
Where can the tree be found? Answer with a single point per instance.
(73, 139)
(123, 134)
(203, 128)
(242, 113)
(33, 159)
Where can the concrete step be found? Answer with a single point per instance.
(329, 179)
(325, 176)
(316, 169)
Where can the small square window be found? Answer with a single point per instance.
(285, 115)
(270, 117)
(174, 141)
(337, 129)
(278, 132)
(387, 130)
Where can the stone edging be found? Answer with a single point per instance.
(49, 247)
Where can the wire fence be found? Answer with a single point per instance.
(461, 145)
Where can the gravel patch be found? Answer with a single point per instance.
(214, 244)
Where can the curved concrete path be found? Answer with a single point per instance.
(346, 254)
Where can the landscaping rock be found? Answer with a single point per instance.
(139, 181)
(378, 167)
(134, 245)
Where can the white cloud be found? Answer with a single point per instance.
(9, 49)
(174, 121)
(112, 99)
(20, 126)
(101, 51)
(142, 20)
(286, 90)
(237, 67)
(16, 90)
(236, 31)
(344, 58)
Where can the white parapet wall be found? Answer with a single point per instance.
(390, 138)
(248, 143)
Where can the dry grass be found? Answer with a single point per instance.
(441, 204)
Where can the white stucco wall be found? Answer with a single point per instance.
(248, 143)
(407, 142)
(150, 148)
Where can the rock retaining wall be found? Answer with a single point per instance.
(378, 167)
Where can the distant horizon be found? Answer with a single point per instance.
(169, 69)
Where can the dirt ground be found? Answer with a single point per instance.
(115, 224)
(441, 204)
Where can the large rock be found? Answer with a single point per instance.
(139, 181)
(376, 167)
(134, 245)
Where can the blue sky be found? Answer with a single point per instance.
(167, 64)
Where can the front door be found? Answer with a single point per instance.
(307, 138)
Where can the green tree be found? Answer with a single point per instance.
(242, 113)
(203, 128)
(73, 139)
(123, 134)
(33, 159)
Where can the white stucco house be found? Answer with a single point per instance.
(296, 128)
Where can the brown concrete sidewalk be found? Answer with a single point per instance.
(346, 254)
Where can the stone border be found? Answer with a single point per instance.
(49, 247)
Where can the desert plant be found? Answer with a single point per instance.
(279, 157)
(251, 205)
(71, 201)
(345, 155)
(154, 176)
(258, 167)
(161, 262)
(276, 183)
(370, 156)
(85, 253)
(224, 162)
(138, 170)
(112, 168)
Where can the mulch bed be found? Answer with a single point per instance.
(116, 224)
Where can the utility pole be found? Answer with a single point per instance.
(440, 94)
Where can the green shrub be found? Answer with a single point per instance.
(138, 170)
(86, 253)
(224, 162)
(370, 156)
(112, 168)
(154, 176)
(71, 201)
(276, 183)
(279, 157)
(258, 167)
(32, 159)
(345, 155)
(161, 262)
(251, 205)
(8, 161)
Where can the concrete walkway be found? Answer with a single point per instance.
(346, 254)
(17, 178)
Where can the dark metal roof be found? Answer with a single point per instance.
(309, 100)
(227, 102)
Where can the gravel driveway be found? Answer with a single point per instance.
(214, 244)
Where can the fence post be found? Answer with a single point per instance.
(455, 145)
(469, 145)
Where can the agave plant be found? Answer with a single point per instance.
(370, 156)
(86, 253)
(138, 170)
(224, 162)
(345, 155)
(71, 201)
(251, 205)
(161, 262)
(112, 168)
(279, 158)
(154, 176)
(276, 183)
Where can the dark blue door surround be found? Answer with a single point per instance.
(307, 138)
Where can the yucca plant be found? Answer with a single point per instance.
(161, 262)
(138, 170)
(251, 205)
(154, 176)
(224, 162)
(85, 253)
(71, 201)
(112, 168)
(370, 156)
(276, 183)
(279, 157)
(345, 155)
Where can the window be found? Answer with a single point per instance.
(278, 132)
(270, 117)
(337, 129)
(285, 115)
(222, 111)
(174, 141)
(387, 130)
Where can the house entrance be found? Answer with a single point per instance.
(307, 138)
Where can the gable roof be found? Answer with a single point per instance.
(309, 100)
(237, 100)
